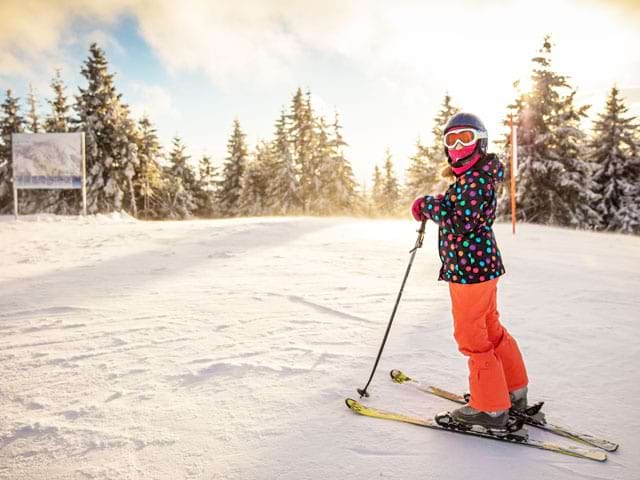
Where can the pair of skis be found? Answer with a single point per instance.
(532, 417)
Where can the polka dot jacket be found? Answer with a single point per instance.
(465, 214)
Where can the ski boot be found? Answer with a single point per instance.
(492, 423)
(519, 399)
(521, 409)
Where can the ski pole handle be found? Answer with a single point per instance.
(420, 239)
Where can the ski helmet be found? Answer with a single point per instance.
(464, 119)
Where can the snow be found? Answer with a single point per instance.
(224, 349)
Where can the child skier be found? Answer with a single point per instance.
(472, 264)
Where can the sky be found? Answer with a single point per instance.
(384, 66)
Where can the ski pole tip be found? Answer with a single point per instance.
(362, 392)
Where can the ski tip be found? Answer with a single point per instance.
(354, 405)
(605, 445)
(399, 377)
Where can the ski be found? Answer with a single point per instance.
(534, 418)
(572, 451)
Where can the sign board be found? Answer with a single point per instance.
(47, 160)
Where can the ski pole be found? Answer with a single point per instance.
(363, 391)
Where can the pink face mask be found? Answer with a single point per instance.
(459, 155)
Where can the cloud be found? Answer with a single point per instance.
(35, 34)
(36, 26)
(151, 100)
(408, 53)
(10, 64)
(632, 95)
(236, 43)
(104, 39)
(409, 45)
(625, 7)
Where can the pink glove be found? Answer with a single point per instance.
(416, 209)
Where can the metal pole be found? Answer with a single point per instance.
(363, 391)
(513, 174)
(13, 173)
(15, 198)
(84, 177)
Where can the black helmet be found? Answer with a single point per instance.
(464, 119)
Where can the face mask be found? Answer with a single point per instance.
(461, 153)
(459, 156)
(460, 170)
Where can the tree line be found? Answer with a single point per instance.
(566, 176)
(301, 170)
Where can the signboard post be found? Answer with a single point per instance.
(15, 197)
(84, 176)
(48, 161)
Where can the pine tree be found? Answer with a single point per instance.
(180, 192)
(615, 154)
(303, 140)
(390, 187)
(207, 181)
(284, 196)
(149, 182)
(436, 155)
(11, 121)
(233, 170)
(378, 204)
(576, 192)
(549, 168)
(313, 175)
(111, 138)
(252, 201)
(345, 197)
(128, 162)
(322, 186)
(59, 120)
(33, 116)
(421, 174)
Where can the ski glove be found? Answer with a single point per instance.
(416, 209)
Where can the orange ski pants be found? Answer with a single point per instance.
(495, 362)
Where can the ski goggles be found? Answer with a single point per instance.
(465, 136)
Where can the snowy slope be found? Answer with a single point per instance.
(224, 349)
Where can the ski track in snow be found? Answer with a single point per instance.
(224, 349)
